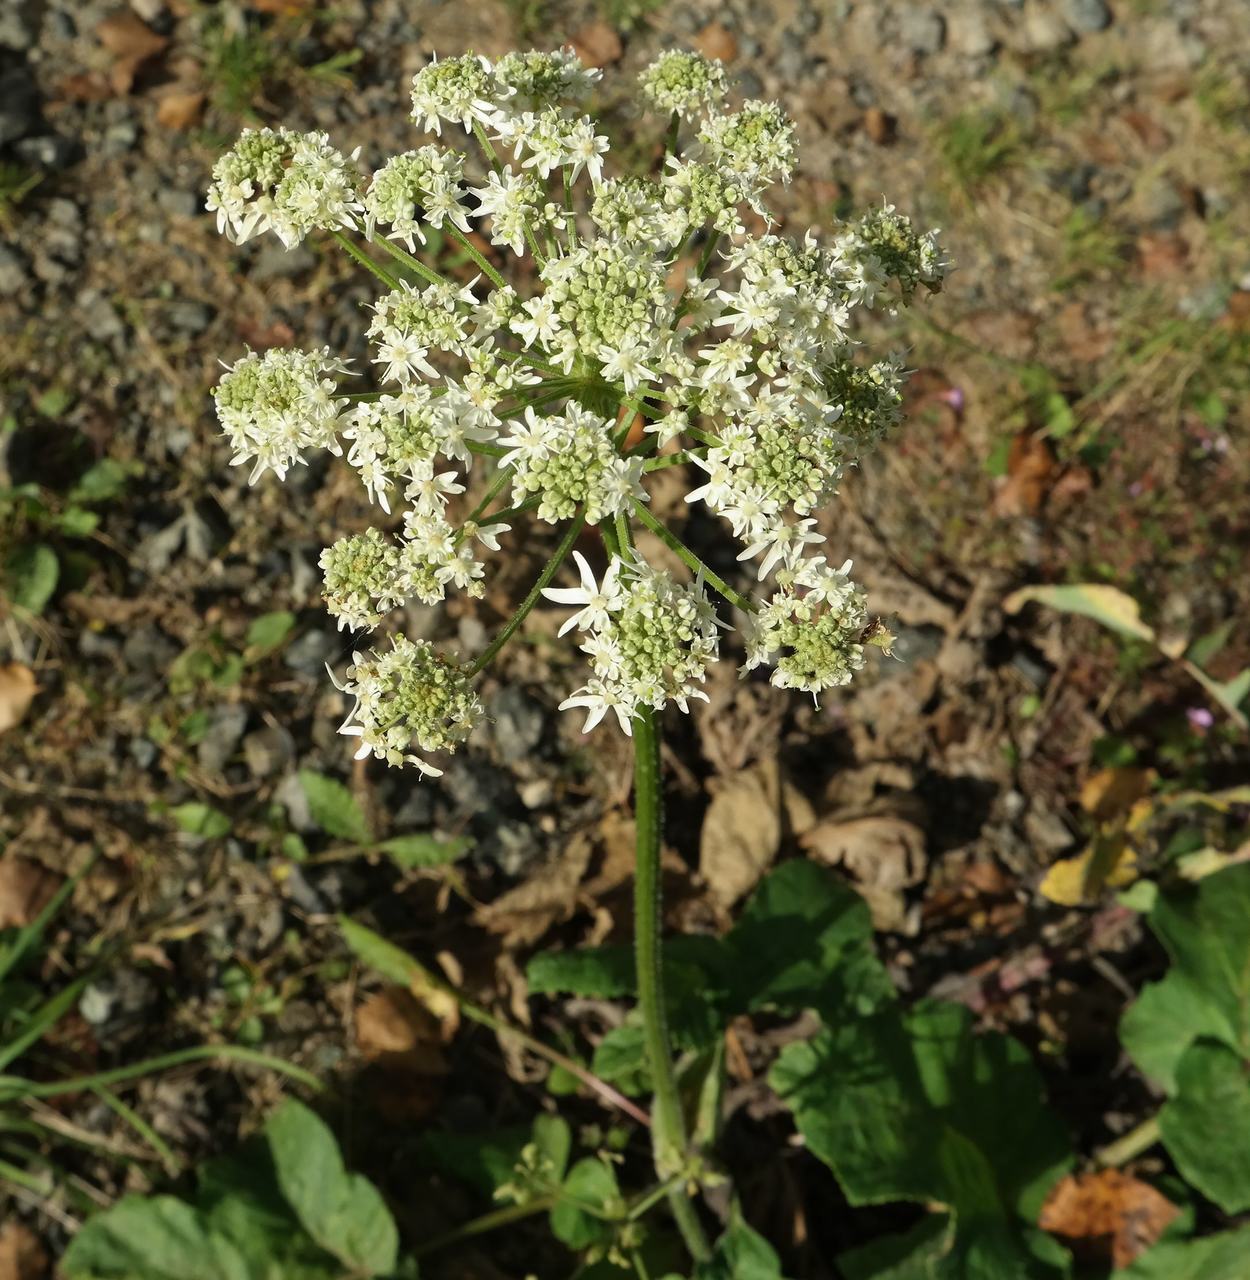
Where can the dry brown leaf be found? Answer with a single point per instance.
(597, 44)
(1161, 255)
(401, 1040)
(884, 855)
(524, 914)
(880, 127)
(1109, 862)
(1110, 793)
(26, 888)
(1107, 1217)
(1148, 130)
(180, 110)
(716, 41)
(1031, 470)
(17, 691)
(131, 42)
(22, 1257)
(741, 832)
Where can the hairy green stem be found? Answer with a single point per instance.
(1133, 1143)
(668, 1127)
(670, 141)
(536, 591)
(465, 243)
(366, 261)
(691, 560)
(487, 1222)
(413, 264)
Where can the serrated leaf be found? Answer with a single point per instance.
(269, 630)
(156, 1238)
(343, 1212)
(915, 1107)
(199, 819)
(621, 1059)
(30, 576)
(1206, 1126)
(423, 850)
(741, 1254)
(1106, 605)
(911, 1255)
(1206, 992)
(601, 972)
(590, 1183)
(334, 809)
(1220, 1257)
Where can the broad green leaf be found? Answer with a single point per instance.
(553, 1139)
(911, 1255)
(1221, 1257)
(103, 481)
(741, 1254)
(1206, 1126)
(423, 850)
(621, 1058)
(389, 960)
(915, 1107)
(484, 1161)
(343, 1212)
(74, 522)
(588, 1196)
(334, 808)
(199, 819)
(269, 630)
(30, 576)
(1107, 605)
(156, 1238)
(1206, 992)
(601, 972)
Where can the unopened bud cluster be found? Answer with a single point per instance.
(661, 314)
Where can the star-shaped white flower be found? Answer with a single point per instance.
(597, 602)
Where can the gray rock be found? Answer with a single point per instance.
(181, 204)
(291, 796)
(274, 262)
(1162, 206)
(148, 649)
(515, 846)
(1087, 15)
(923, 31)
(99, 319)
(1044, 31)
(120, 138)
(970, 32)
(143, 752)
(12, 271)
(219, 743)
(309, 653)
(268, 751)
(19, 105)
(188, 316)
(49, 152)
(19, 24)
(518, 723)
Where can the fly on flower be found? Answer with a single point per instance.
(487, 406)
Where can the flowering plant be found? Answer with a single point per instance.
(650, 328)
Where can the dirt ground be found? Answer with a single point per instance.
(1078, 415)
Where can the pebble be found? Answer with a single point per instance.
(922, 31)
(143, 752)
(12, 271)
(19, 24)
(1087, 15)
(309, 653)
(515, 847)
(290, 795)
(19, 105)
(181, 204)
(100, 320)
(218, 745)
(148, 649)
(120, 138)
(1044, 31)
(518, 723)
(49, 152)
(188, 316)
(268, 751)
(274, 262)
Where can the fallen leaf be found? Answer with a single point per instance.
(131, 42)
(1161, 255)
(741, 832)
(884, 854)
(22, 1257)
(1148, 130)
(1031, 469)
(402, 1042)
(261, 337)
(524, 914)
(26, 887)
(880, 127)
(716, 41)
(597, 44)
(1110, 793)
(180, 110)
(17, 691)
(1108, 605)
(1109, 862)
(1107, 1216)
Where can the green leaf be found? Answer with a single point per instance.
(1107, 605)
(554, 1140)
(424, 850)
(590, 1185)
(741, 1254)
(156, 1238)
(389, 960)
(103, 481)
(915, 1107)
(601, 972)
(1221, 1257)
(484, 1161)
(1206, 992)
(53, 402)
(334, 808)
(199, 819)
(269, 630)
(31, 573)
(621, 1059)
(1206, 1126)
(343, 1212)
(911, 1255)
(74, 522)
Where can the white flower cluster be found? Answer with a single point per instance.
(665, 322)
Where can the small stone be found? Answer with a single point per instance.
(274, 262)
(188, 316)
(100, 320)
(970, 33)
(219, 743)
(148, 649)
(1087, 15)
(50, 152)
(19, 24)
(182, 204)
(120, 138)
(518, 724)
(12, 271)
(1045, 31)
(291, 796)
(536, 794)
(143, 752)
(516, 847)
(268, 751)
(923, 31)
(309, 653)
